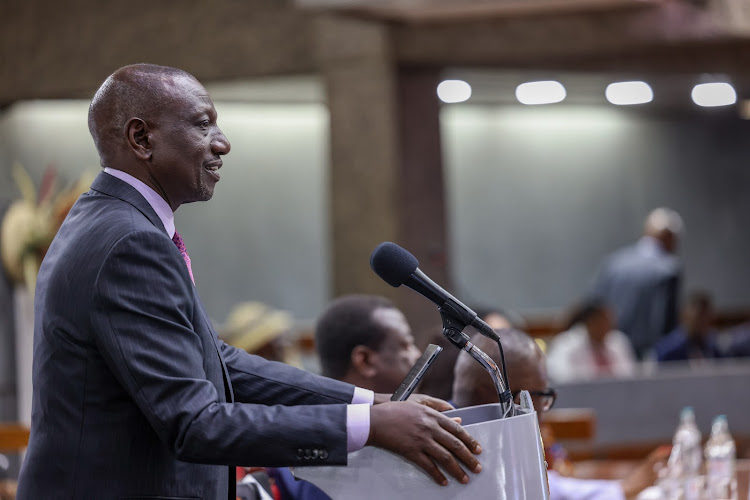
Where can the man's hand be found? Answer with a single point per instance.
(425, 437)
(422, 399)
(381, 397)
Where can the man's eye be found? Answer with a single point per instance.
(205, 123)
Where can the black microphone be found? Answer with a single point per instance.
(398, 267)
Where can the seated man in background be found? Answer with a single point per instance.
(591, 347)
(364, 338)
(361, 339)
(526, 371)
(694, 338)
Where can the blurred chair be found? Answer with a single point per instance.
(14, 438)
(572, 424)
(568, 435)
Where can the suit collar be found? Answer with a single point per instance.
(112, 186)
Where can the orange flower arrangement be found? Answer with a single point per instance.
(31, 223)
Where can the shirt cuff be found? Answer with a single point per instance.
(357, 426)
(363, 396)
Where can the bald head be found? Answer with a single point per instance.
(138, 90)
(664, 225)
(524, 361)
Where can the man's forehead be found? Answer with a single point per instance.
(182, 87)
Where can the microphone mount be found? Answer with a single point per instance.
(452, 330)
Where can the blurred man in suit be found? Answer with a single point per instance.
(526, 371)
(134, 394)
(363, 340)
(642, 281)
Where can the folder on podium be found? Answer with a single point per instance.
(512, 458)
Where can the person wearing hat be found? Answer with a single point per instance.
(258, 329)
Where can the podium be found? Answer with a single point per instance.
(512, 458)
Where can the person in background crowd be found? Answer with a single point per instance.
(259, 329)
(364, 340)
(591, 347)
(642, 281)
(694, 338)
(738, 341)
(526, 371)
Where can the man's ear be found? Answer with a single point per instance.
(139, 138)
(362, 361)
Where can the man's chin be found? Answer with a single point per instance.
(204, 195)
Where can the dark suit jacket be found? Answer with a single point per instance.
(133, 391)
(641, 283)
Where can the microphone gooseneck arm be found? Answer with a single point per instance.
(452, 331)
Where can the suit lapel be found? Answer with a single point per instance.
(112, 186)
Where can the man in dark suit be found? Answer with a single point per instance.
(134, 395)
(642, 281)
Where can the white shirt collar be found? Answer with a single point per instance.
(160, 206)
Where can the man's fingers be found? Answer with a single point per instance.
(455, 428)
(445, 459)
(455, 447)
(429, 401)
(435, 443)
(438, 404)
(426, 463)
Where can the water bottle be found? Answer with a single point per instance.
(684, 466)
(721, 477)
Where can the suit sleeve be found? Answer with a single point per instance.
(143, 322)
(279, 383)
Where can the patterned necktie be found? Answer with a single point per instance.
(181, 247)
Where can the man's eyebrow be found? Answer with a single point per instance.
(199, 113)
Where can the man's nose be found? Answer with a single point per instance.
(220, 145)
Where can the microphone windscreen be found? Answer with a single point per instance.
(392, 263)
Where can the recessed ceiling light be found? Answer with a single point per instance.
(629, 93)
(711, 95)
(452, 91)
(544, 92)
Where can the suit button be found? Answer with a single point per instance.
(300, 453)
(308, 454)
(323, 454)
(315, 453)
